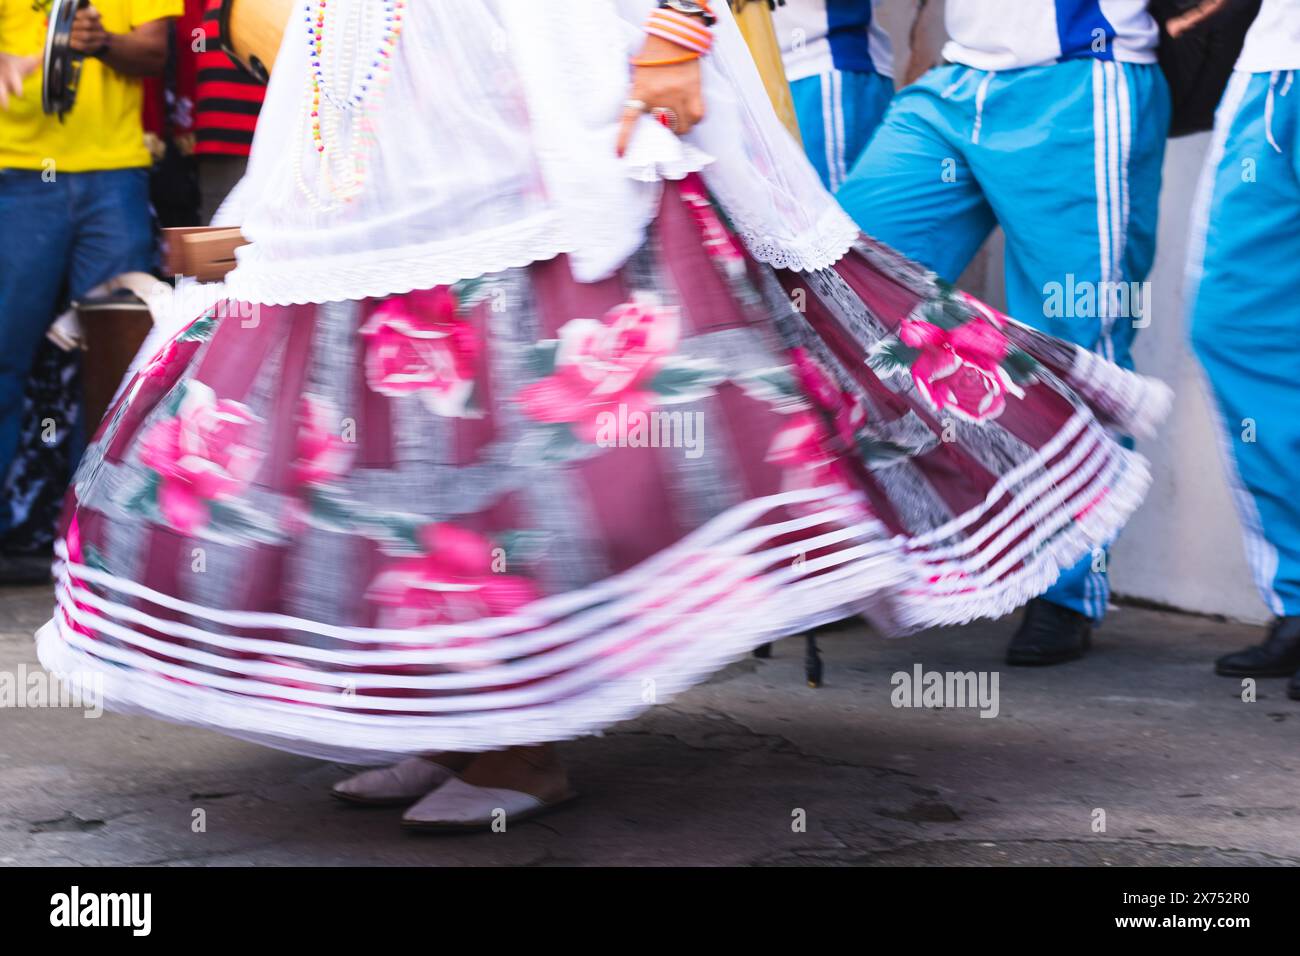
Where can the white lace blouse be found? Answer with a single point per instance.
(493, 147)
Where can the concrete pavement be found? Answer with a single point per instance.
(1183, 770)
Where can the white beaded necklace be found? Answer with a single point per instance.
(333, 46)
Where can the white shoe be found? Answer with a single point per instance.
(478, 802)
(393, 786)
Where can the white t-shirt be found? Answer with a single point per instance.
(818, 36)
(1273, 42)
(1011, 34)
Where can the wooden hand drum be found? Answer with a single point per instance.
(251, 31)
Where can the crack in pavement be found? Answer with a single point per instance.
(67, 823)
(772, 743)
(212, 854)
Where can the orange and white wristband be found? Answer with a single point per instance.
(685, 31)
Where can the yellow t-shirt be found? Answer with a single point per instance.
(103, 129)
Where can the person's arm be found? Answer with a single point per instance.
(139, 52)
(1176, 26)
(12, 70)
(674, 86)
(920, 41)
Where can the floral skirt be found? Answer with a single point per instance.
(522, 508)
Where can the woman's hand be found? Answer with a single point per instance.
(675, 88)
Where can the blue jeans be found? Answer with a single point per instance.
(58, 240)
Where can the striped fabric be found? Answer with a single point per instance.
(228, 99)
(1112, 133)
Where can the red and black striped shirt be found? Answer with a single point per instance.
(227, 99)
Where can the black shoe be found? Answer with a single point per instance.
(1049, 634)
(25, 569)
(1278, 656)
(1293, 686)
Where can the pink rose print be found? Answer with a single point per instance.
(72, 539)
(202, 455)
(960, 370)
(995, 317)
(602, 365)
(149, 383)
(158, 366)
(176, 351)
(323, 455)
(800, 447)
(848, 413)
(453, 582)
(415, 343)
(800, 451)
(77, 556)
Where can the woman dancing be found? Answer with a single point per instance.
(551, 382)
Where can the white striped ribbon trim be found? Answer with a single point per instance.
(686, 588)
(704, 540)
(686, 584)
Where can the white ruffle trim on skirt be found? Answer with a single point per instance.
(575, 663)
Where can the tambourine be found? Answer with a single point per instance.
(251, 31)
(60, 65)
